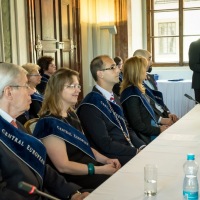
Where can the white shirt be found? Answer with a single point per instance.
(105, 93)
(6, 116)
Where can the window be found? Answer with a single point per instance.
(172, 26)
(167, 45)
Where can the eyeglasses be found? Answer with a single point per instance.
(25, 86)
(34, 74)
(113, 67)
(73, 86)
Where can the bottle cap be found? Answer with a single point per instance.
(190, 156)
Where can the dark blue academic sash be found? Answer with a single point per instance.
(156, 95)
(134, 91)
(45, 78)
(49, 125)
(26, 147)
(99, 101)
(37, 97)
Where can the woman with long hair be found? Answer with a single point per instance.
(60, 130)
(138, 102)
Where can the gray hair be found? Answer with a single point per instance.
(8, 74)
(141, 52)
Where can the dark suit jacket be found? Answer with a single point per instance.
(34, 109)
(194, 63)
(152, 81)
(104, 136)
(150, 78)
(139, 118)
(42, 86)
(13, 170)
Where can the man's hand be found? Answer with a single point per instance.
(79, 196)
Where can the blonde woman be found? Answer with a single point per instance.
(34, 78)
(138, 103)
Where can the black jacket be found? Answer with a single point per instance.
(194, 63)
(139, 118)
(104, 136)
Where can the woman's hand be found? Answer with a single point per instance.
(107, 169)
(166, 121)
(173, 117)
(115, 163)
(163, 128)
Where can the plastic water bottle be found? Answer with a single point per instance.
(190, 183)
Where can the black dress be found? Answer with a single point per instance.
(76, 155)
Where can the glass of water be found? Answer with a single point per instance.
(150, 180)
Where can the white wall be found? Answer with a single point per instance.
(135, 27)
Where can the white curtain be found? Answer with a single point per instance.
(97, 17)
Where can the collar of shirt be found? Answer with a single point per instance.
(105, 93)
(6, 116)
(148, 83)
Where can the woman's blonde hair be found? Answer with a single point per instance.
(132, 72)
(52, 103)
(31, 67)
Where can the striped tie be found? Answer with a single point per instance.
(112, 99)
(14, 123)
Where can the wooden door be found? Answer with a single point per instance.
(54, 27)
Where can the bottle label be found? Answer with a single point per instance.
(190, 195)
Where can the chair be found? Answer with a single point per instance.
(30, 125)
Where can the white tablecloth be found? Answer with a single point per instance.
(168, 152)
(173, 95)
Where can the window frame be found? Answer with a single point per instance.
(180, 35)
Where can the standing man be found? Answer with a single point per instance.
(194, 64)
(23, 157)
(102, 117)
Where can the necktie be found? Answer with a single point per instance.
(112, 99)
(14, 123)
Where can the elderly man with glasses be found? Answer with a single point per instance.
(102, 117)
(22, 157)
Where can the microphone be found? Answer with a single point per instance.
(189, 97)
(31, 189)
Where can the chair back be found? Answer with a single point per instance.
(30, 125)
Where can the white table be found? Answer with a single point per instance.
(173, 95)
(169, 152)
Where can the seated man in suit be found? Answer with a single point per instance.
(22, 157)
(102, 117)
(151, 85)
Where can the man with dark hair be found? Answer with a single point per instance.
(23, 157)
(102, 117)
